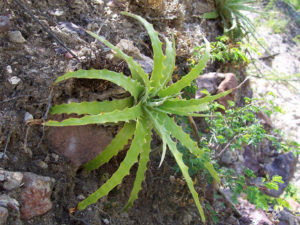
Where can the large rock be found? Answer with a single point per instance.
(79, 144)
(284, 166)
(35, 195)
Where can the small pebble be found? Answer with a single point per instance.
(16, 37)
(14, 80)
(27, 117)
(106, 221)
(80, 197)
(4, 24)
(9, 69)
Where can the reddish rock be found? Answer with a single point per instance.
(35, 195)
(228, 83)
(79, 144)
(3, 215)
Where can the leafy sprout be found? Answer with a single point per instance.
(150, 107)
(232, 13)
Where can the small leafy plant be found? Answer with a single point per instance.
(232, 14)
(150, 107)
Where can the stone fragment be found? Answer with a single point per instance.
(9, 69)
(16, 37)
(14, 80)
(4, 24)
(8, 202)
(79, 144)
(27, 117)
(228, 83)
(284, 166)
(35, 195)
(3, 215)
(10, 180)
(228, 157)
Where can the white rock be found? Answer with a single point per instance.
(16, 37)
(14, 80)
(9, 69)
(27, 117)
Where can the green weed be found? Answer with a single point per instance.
(150, 107)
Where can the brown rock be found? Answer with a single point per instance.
(228, 83)
(79, 144)
(35, 196)
(3, 215)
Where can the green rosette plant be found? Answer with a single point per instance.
(149, 108)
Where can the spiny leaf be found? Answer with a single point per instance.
(177, 132)
(124, 168)
(169, 65)
(131, 85)
(116, 145)
(164, 133)
(92, 108)
(158, 56)
(191, 105)
(136, 70)
(184, 169)
(179, 110)
(110, 117)
(187, 79)
(140, 174)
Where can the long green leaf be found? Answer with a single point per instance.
(136, 70)
(160, 127)
(169, 65)
(92, 108)
(140, 174)
(158, 56)
(187, 79)
(116, 145)
(131, 85)
(110, 117)
(191, 105)
(184, 169)
(124, 168)
(178, 157)
(177, 132)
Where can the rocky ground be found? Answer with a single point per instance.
(40, 175)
